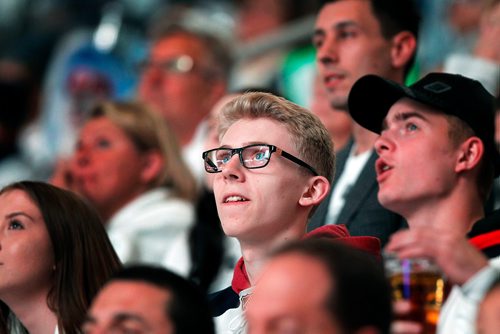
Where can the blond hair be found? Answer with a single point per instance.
(308, 134)
(148, 131)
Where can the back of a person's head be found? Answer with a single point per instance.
(308, 134)
(360, 294)
(187, 309)
(83, 255)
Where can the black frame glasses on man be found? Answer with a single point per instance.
(251, 157)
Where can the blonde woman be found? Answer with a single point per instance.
(128, 165)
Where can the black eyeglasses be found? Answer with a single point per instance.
(251, 157)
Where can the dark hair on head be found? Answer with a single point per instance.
(292, 9)
(188, 308)
(84, 257)
(360, 294)
(395, 16)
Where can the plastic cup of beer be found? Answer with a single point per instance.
(419, 282)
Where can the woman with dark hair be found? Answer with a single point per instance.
(54, 257)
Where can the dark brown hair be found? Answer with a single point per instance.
(84, 257)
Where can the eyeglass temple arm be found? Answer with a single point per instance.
(294, 159)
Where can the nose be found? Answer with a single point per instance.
(233, 168)
(327, 52)
(82, 155)
(151, 76)
(383, 143)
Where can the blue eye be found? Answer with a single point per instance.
(411, 127)
(260, 156)
(225, 158)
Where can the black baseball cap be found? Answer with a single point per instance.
(372, 96)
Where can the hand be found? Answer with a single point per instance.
(401, 309)
(62, 176)
(451, 251)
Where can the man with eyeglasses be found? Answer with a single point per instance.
(273, 167)
(184, 75)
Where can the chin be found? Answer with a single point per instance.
(387, 201)
(338, 102)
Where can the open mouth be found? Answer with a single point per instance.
(332, 79)
(382, 167)
(234, 199)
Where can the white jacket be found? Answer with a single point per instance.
(143, 231)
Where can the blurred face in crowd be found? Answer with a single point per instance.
(26, 254)
(259, 17)
(488, 321)
(464, 15)
(129, 307)
(290, 297)
(176, 82)
(108, 168)
(257, 205)
(407, 169)
(349, 45)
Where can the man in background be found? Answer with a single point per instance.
(354, 38)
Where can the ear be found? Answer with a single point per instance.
(152, 166)
(470, 153)
(404, 46)
(315, 192)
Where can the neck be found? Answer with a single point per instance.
(255, 253)
(457, 212)
(34, 313)
(363, 138)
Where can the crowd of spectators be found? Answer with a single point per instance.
(160, 159)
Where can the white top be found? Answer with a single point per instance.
(233, 320)
(143, 231)
(191, 152)
(459, 312)
(353, 167)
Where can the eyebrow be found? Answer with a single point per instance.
(403, 116)
(320, 32)
(19, 213)
(117, 318)
(246, 144)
